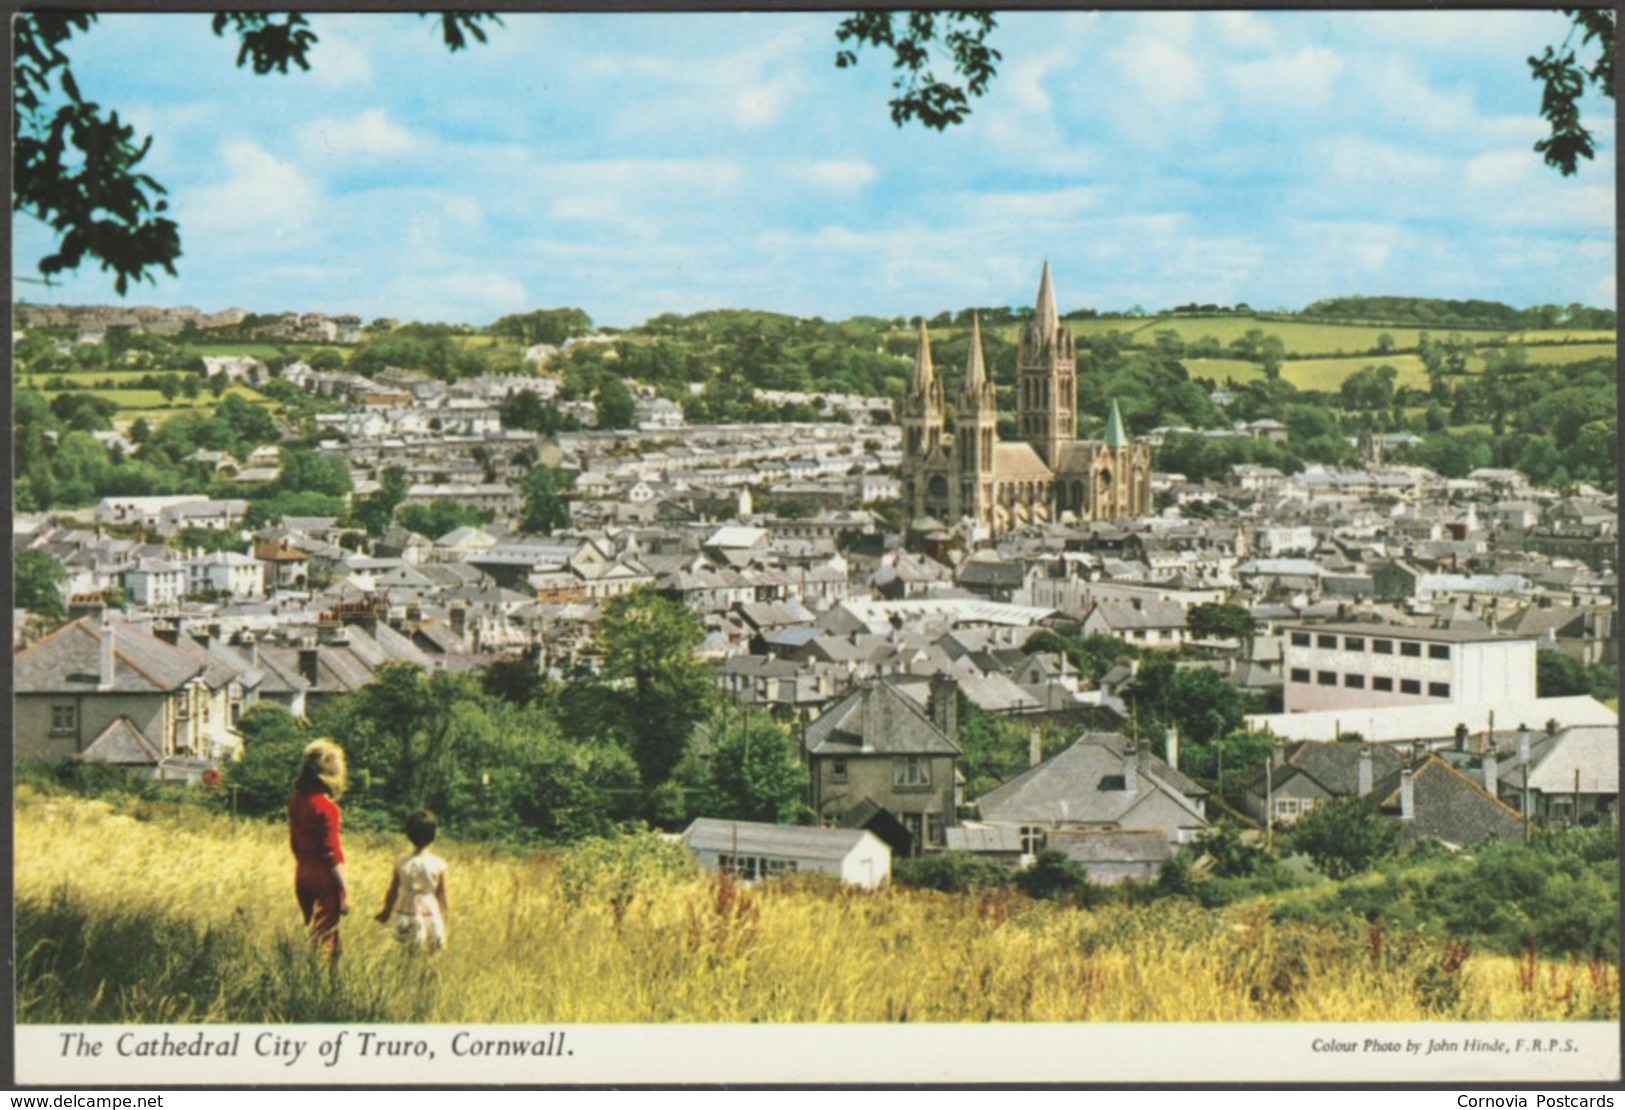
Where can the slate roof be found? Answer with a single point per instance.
(876, 719)
(1447, 806)
(122, 743)
(1083, 784)
(69, 661)
(1112, 845)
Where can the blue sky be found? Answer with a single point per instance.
(632, 164)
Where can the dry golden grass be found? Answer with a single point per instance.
(146, 913)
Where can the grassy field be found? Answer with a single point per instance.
(1328, 373)
(150, 912)
(152, 400)
(1304, 339)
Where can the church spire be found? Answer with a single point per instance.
(1115, 435)
(1047, 317)
(925, 374)
(975, 369)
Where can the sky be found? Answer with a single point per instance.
(635, 164)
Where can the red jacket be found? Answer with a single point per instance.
(313, 830)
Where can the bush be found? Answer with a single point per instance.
(951, 873)
(1054, 876)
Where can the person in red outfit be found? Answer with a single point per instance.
(313, 833)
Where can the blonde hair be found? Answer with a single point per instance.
(323, 769)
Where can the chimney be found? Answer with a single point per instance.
(943, 704)
(1492, 778)
(251, 647)
(1131, 767)
(1278, 755)
(1523, 750)
(167, 631)
(1364, 778)
(458, 616)
(1461, 737)
(1407, 796)
(104, 677)
(1035, 748)
(1172, 750)
(307, 665)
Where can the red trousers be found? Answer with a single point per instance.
(319, 901)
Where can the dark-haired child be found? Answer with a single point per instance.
(416, 906)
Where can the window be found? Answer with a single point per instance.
(64, 719)
(1354, 643)
(1410, 648)
(1300, 674)
(934, 829)
(910, 772)
(1438, 651)
(1300, 639)
(1354, 681)
(1409, 686)
(1438, 689)
(1386, 685)
(751, 868)
(1032, 839)
(1326, 641)
(1382, 647)
(1326, 678)
(837, 770)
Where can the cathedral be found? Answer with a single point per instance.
(955, 468)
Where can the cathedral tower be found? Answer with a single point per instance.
(1047, 378)
(924, 414)
(976, 424)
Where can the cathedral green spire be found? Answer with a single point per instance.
(1115, 435)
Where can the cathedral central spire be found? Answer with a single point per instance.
(1047, 317)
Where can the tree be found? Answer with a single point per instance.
(1214, 621)
(375, 511)
(1563, 81)
(1557, 676)
(616, 407)
(648, 645)
(37, 581)
(546, 492)
(96, 199)
(921, 95)
(1343, 836)
(273, 739)
(756, 770)
(1055, 876)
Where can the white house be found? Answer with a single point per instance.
(751, 850)
(229, 573)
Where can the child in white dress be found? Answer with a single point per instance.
(416, 906)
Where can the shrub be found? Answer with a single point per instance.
(1055, 876)
(951, 873)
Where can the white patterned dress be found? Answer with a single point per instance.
(417, 920)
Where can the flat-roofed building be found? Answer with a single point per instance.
(1361, 666)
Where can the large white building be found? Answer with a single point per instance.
(1364, 666)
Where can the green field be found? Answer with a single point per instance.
(149, 404)
(1309, 339)
(1327, 374)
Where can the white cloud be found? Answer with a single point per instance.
(839, 176)
(269, 203)
(338, 62)
(369, 135)
(1243, 29)
(1297, 82)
